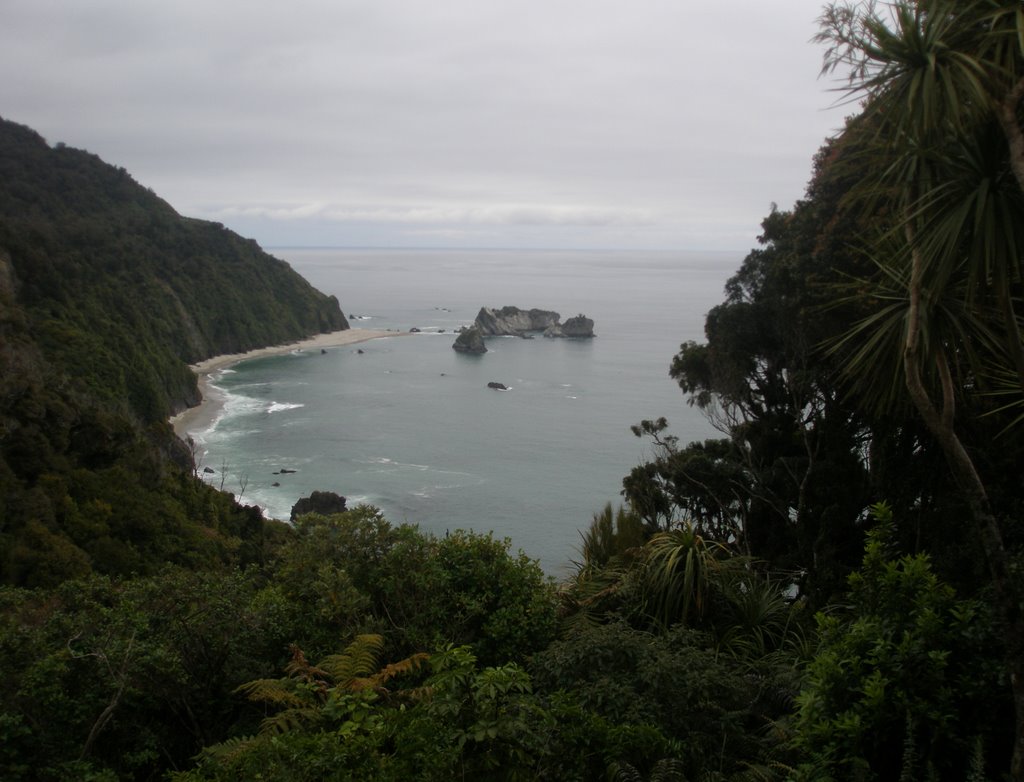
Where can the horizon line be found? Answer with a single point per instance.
(502, 248)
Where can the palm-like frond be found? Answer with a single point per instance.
(758, 618)
(1005, 389)
(681, 573)
(594, 594)
(871, 350)
(973, 213)
(872, 353)
(917, 65)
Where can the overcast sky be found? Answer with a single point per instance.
(480, 123)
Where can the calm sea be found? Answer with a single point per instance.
(410, 426)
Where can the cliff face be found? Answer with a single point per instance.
(512, 321)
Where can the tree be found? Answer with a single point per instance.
(131, 677)
(942, 149)
(789, 481)
(360, 573)
(716, 716)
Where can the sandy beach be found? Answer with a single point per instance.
(202, 415)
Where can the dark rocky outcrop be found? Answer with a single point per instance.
(512, 321)
(497, 386)
(470, 341)
(579, 327)
(323, 502)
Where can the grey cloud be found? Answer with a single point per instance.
(654, 122)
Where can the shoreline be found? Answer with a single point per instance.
(205, 413)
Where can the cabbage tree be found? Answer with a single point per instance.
(942, 155)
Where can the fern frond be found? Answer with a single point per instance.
(623, 772)
(424, 693)
(365, 652)
(290, 719)
(227, 751)
(409, 665)
(668, 770)
(276, 691)
(358, 660)
(299, 667)
(340, 669)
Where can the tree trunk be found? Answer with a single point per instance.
(941, 424)
(1009, 121)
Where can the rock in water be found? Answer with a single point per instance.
(323, 502)
(512, 321)
(580, 327)
(470, 341)
(497, 386)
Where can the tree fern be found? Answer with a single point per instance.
(360, 659)
(306, 690)
(228, 751)
(277, 692)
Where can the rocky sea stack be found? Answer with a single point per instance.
(580, 327)
(513, 322)
(323, 502)
(470, 341)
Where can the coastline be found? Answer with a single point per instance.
(203, 415)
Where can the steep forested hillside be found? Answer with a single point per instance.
(106, 294)
(121, 289)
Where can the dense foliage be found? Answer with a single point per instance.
(132, 676)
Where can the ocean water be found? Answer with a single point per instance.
(410, 426)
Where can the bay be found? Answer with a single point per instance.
(410, 426)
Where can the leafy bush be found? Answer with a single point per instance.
(904, 682)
